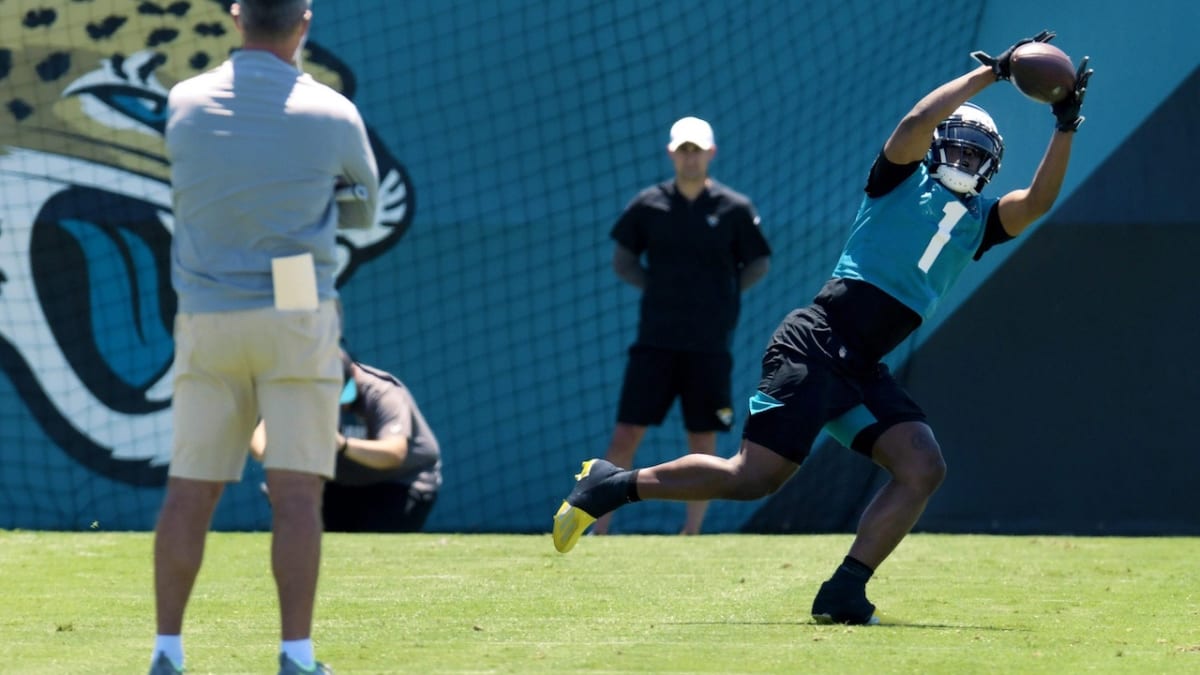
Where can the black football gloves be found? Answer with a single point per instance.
(1066, 111)
(1001, 65)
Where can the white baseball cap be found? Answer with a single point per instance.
(691, 130)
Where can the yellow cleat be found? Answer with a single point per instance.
(572, 521)
(569, 525)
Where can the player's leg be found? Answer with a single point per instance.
(810, 378)
(213, 415)
(909, 452)
(890, 429)
(705, 399)
(755, 471)
(911, 455)
(601, 487)
(786, 414)
(299, 379)
(647, 392)
(785, 417)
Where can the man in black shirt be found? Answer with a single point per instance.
(692, 245)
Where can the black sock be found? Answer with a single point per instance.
(631, 493)
(853, 570)
(607, 494)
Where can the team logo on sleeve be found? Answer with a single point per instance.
(762, 402)
(86, 305)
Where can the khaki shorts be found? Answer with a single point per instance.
(233, 367)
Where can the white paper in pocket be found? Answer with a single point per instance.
(295, 281)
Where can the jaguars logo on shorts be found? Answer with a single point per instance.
(726, 416)
(86, 305)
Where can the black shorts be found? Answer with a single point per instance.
(811, 380)
(654, 377)
(380, 507)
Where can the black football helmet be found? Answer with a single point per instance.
(966, 150)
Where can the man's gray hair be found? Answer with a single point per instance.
(272, 19)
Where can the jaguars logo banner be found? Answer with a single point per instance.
(86, 305)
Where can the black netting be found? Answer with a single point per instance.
(517, 131)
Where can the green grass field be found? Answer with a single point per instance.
(82, 603)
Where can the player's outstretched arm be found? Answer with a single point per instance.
(1019, 208)
(910, 140)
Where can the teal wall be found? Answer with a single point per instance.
(524, 128)
(1141, 53)
(1061, 391)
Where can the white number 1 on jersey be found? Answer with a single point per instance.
(954, 212)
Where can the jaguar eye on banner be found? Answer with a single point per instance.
(86, 306)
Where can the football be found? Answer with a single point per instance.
(1042, 72)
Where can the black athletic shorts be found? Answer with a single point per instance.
(654, 377)
(811, 380)
(379, 507)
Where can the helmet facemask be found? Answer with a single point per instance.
(966, 150)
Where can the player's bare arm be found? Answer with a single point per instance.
(1019, 208)
(910, 140)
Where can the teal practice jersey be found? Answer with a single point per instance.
(914, 241)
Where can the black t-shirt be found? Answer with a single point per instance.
(694, 253)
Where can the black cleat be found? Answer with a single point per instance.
(843, 603)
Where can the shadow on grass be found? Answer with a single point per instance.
(946, 626)
(886, 624)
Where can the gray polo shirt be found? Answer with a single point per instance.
(255, 148)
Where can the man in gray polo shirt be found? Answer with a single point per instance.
(257, 150)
